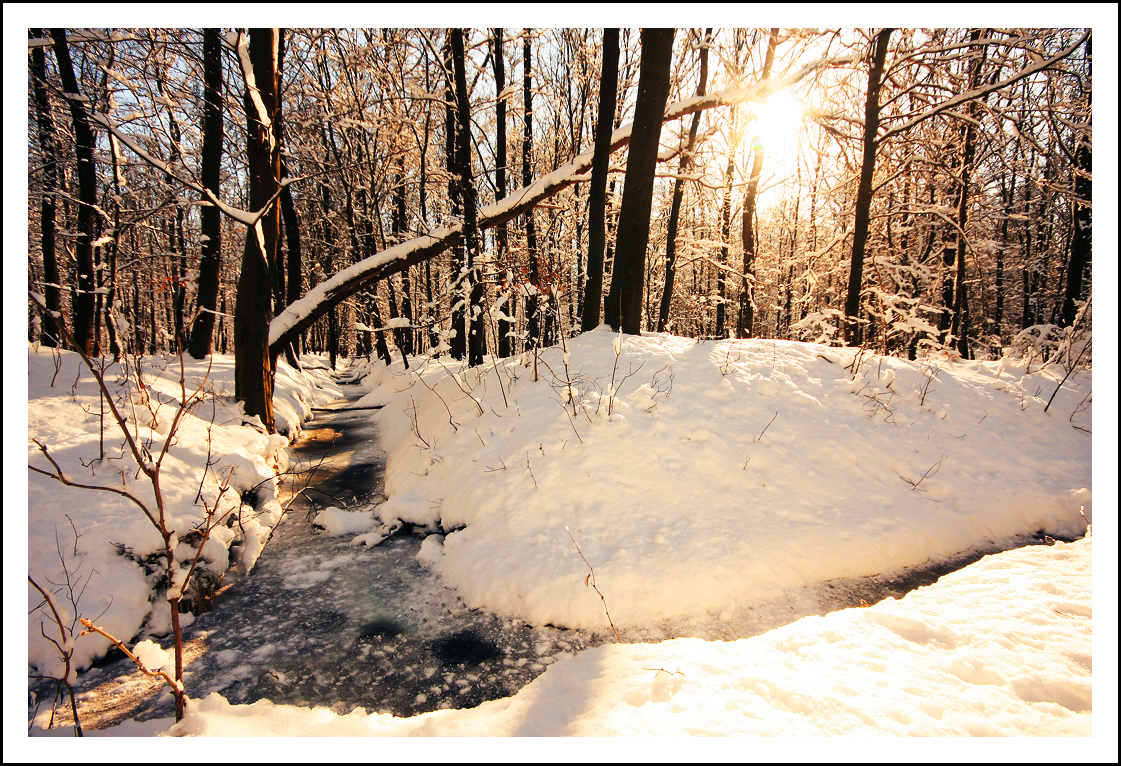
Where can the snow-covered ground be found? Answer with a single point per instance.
(84, 532)
(705, 485)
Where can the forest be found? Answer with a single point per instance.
(403, 192)
(752, 325)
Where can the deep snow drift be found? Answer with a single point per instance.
(702, 479)
(706, 484)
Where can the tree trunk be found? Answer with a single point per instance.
(864, 190)
(623, 309)
(1080, 241)
(678, 193)
(959, 326)
(49, 335)
(745, 326)
(725, 238)
(210, 219)
(474, 324)
(83, 304)
(597, 195)
(505, 326)
(532, 311)
(253, 368)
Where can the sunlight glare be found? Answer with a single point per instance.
(779, 119)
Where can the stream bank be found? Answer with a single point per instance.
(322, 622)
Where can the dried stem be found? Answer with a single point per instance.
(590, 580)
(65, 653)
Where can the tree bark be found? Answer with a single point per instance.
(623, 309)
(959, 326)
(678, 194)
(474, 325)
(1080, 240)
(49, 334)
(253, 367)
(84, 303)
(210, 219)
(745, 326)
(505, 326)
(864, 190)
(597, 194)
(532, 301)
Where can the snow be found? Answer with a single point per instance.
(711, 490)
(1017, 661)
(84, 530)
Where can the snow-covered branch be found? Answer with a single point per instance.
(302, 313)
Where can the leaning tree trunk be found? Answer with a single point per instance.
(320, 299)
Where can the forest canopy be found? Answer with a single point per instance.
(274, 192)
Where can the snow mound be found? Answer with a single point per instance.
(702, 478)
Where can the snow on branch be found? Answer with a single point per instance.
(300, 314)
(961, 98)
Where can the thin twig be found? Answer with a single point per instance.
(591, 580)
(759, 438)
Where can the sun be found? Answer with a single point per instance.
(778, 121)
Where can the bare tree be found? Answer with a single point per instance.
(623, 308)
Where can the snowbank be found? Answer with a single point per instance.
(702, 479)
(1002, 647)
(102, 539)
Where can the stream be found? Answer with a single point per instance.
(323, 622)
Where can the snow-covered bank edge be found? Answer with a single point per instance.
(999, 648)
(701, 478)
(102, 539)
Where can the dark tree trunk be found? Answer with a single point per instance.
(745, 327)
(473, 324)
(597, 195)
(253, 367)
(532, 310)
(1080, 241)
(959, 327)
(623, 309)
(49, 335)
(725, 238)
(83, 304)
(458, 342)
(864, 190)
(210, 219)
(502, 238)
(403, 337)
(678, 193)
